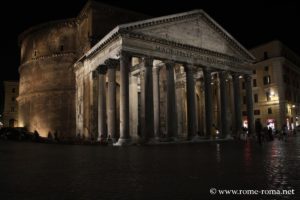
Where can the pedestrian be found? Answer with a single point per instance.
(258, 130)
(244, 133)
(284, 132)
(270, 133)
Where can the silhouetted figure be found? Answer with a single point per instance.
(56, 136)
(50, 136)
(36, 136)
(258, 130)
(264, 136)
(270, 134)
(244, 133)
(284, 132)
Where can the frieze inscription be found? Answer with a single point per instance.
(207, 59)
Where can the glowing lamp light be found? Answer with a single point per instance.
(293, 106)
(21, 124)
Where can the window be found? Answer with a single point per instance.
(254, 83)
(255, 98)
(12, 109)
(61, 47)
(244, 100)
(267, 80)
(266, 68)
(256, 112)
(269, 110)
(266, 55)
(254, 71)
(244, 113)
(34, 53)
(13, 90)
(13, 99)
(268, 96)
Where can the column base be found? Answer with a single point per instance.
(123, 142)
(195, 138)
(154, 140)
(111, 140)
(168, 139)
(102, 141)
(173, 139)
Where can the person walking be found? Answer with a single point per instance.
(284, 132)
(270, 133)
(258, 130)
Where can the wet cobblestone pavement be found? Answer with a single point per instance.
(183, 171)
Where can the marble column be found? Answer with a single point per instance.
(249, 101)
(147, 100)
(111, 98)
(208, 100)
(125, 63)
(156, 101)
(171, 102)
(237, 103)
(101, 104)
(191, 104)
(224, 103)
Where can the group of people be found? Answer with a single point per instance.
(263, 133)
(266, 133)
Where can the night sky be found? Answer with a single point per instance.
(250, 22)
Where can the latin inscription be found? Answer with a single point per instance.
(192, 55)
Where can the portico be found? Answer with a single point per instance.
(163, 79)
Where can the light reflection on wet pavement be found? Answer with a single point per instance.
(183, 171)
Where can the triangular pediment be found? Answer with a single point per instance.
(194, 28)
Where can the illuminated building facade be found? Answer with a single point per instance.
(97, 76)
(276, 85)
(175, 77)
(48, 53)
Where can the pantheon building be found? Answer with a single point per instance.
(117, 74)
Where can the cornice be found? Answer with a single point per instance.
(128, 30)
(101, 45)
(55, 55)
(46, 93)
(161, 20)
(171, 43)
(187, 15)
(227, 37)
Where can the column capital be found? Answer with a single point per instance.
(101, 69)
(189, 67)
(223, 72)
(124, 55)
(111, 63)
(247, 77)
(148, 61)
(207, 70)
(169, 63)
(235, 73)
